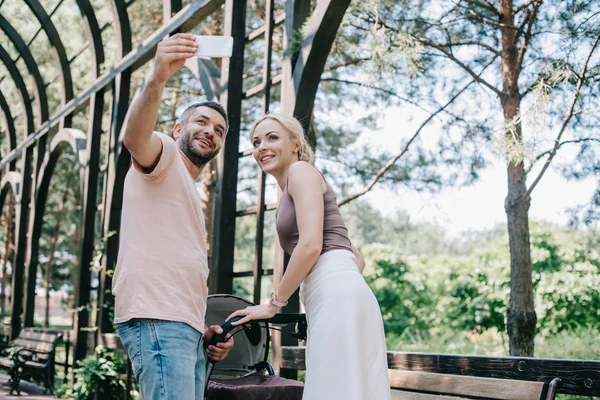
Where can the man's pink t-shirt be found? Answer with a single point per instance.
(162, 267)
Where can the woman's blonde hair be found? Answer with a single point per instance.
(294, 128)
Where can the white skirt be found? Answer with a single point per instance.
(345, 350)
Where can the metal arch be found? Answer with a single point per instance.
(184, 21)
(170, 8)
(76, 140)
(89, 179)
(122, 26)
(59, 50)
(322, 28)
(21, 46)
(93, 33)
(115, 174)
(94, 37)
(221, 268)
(89, 209)
(122, 85)
(209, 75)
(16, 306)
(18, 80)
(12, 134)
(19, 268)
(67, 137)
(111, 221)
(11, 180)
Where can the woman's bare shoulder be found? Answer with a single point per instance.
(303, 175)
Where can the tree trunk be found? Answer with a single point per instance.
(521, 317)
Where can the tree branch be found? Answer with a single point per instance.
(346, 64)
(531, 20)
(483, 4)
(366, 85)
(475, 76)
(473, 43)
(524, 6)
(486, 20)
(566, 120)
(561, 144)
(391, 162)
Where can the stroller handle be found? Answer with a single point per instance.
(227, 327)
(281, 318)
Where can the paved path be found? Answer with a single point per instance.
(28, 390)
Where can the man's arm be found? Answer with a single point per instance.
(143, 145)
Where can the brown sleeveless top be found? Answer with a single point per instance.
(335, 234)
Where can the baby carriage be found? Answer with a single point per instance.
(246, 373)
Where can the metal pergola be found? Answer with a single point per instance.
(28, 166)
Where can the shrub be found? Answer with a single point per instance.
(100, 371)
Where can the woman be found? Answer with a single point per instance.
(345, 353)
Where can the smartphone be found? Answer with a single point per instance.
(214, 46)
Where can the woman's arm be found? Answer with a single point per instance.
(305, 185)
(306, 188)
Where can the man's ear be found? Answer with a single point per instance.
(177, 130)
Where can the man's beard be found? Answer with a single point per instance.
(198, 158)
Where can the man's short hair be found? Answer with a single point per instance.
(185, 115)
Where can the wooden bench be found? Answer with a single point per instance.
(31, 355)
(424, 376)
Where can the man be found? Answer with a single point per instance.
(160, 279)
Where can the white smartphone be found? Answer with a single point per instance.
(214, 46)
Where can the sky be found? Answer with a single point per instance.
(481, 205)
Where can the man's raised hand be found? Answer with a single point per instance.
(171, 55)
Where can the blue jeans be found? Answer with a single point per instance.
(168, 358)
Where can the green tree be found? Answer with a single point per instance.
(527, 66)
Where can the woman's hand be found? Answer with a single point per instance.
(263, 311)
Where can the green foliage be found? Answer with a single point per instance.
(403, 295)
(103, 371)
(441, 296)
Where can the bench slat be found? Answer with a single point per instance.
(31, 344)
(6, 362)
(487, 388)
(39, 336)
(578, 377)
(403, 395)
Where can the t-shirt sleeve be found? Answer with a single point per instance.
(167, 156)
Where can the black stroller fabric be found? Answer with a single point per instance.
(237, 377)
(256, 386)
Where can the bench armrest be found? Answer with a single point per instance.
(23, 355)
